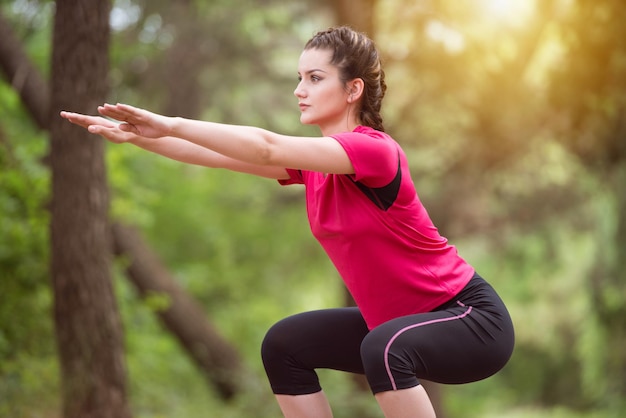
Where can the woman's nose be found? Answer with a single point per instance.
(299, 92)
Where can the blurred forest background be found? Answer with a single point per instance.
(132, 285)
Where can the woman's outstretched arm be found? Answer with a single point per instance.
(255, 146)
(174, 148)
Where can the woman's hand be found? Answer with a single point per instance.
(134, 123)
(99, 125)
(86, 121)
(137, 121)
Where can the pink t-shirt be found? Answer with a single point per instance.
(377, 233)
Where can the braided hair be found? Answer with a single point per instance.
(356, 56)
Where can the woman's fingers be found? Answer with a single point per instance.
(134, 121)
(76, 118)
(113, 112)
(132, 110)
(138, 121)
(112, 134)
(86, 120)
(124, 113)
(98, 125)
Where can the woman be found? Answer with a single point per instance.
(422, 310)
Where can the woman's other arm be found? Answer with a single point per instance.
(174, 148)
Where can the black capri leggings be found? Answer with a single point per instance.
(466, 339)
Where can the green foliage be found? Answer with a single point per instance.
(32, 23)
(27, 354)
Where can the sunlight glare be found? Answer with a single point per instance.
(511, 12)
(451, 40)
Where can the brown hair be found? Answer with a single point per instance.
(356, 56)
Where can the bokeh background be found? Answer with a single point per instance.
(512, 113)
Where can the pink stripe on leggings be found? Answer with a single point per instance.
(397, 334)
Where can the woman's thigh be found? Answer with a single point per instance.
(295, 346)
(468, 340)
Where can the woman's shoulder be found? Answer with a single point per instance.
(371, 132)
(366, 136)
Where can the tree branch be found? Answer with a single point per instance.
(23, 76)
(183, 317)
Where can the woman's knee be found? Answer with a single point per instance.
(276, 340)
(378, 348)
(386, 366)
(286, 367)
(372, 348)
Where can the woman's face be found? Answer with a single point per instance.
(322, 97)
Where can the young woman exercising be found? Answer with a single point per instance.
(422, 311)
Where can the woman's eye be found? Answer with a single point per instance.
(312, 78)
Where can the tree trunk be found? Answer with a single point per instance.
(183, 317)
(358, 16)
(88, 326)
(215, 357)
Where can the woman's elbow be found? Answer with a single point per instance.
(266, 151)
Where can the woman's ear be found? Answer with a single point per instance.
(355, 89)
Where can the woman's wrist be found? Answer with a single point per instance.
(174, 124)
(141, 141)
